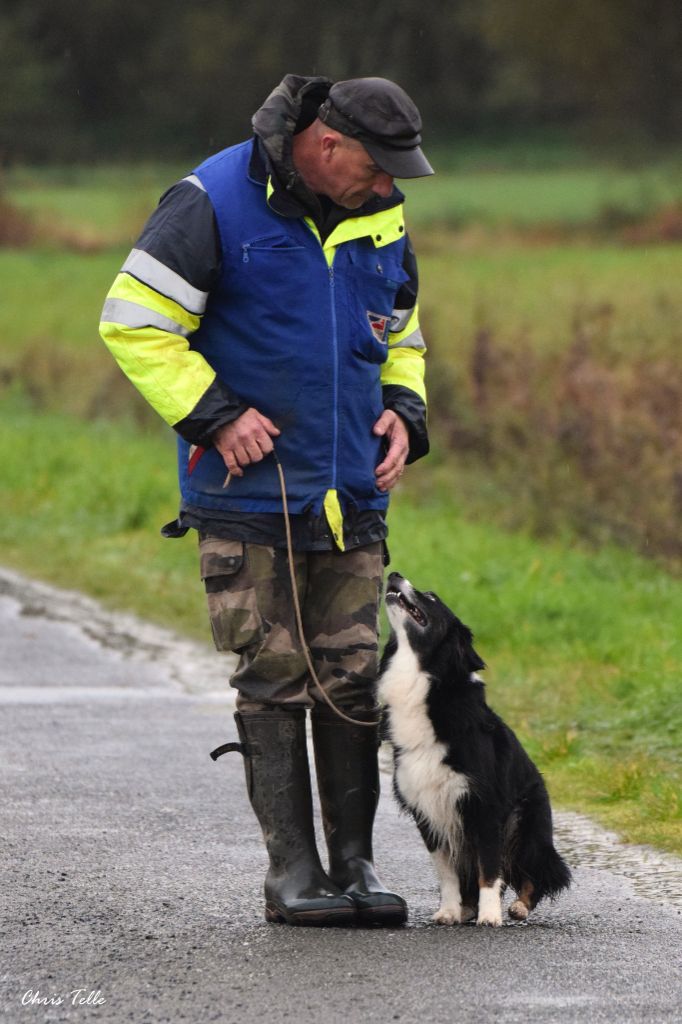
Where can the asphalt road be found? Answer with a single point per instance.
(132, 867)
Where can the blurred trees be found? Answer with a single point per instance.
(115, 78)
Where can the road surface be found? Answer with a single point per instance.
(132, 867)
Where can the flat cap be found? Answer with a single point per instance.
(380, 115)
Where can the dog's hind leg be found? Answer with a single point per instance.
(521, 907)
(450, 910)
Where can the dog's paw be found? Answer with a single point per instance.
(467, 914)
(490, 917)
(518, 910)
(447, 915)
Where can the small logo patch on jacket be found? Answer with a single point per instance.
(380, 325)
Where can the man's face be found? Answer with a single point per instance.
(349, 176)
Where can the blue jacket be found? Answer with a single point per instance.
(300, 331)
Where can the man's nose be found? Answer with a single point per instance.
(383, 186)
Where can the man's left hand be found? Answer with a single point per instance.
(393, 429)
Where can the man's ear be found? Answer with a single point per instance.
(328, 144)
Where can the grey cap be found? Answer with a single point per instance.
(381, 116)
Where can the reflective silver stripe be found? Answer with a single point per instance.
(192, 178)
(131, 314)
(158, 276)
(413, 340)
(400, 319)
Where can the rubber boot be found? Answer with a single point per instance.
(297, 890)
(346, 759)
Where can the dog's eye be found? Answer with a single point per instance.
(431, 597)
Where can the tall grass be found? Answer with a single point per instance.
(585, 440)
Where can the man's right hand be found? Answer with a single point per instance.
(247, 439)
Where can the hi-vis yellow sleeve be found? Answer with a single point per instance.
(147, 333)
(405, 362)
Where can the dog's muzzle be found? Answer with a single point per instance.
(401, 593)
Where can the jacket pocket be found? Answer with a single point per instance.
(374, 284)
(269, 245)
(232, 604)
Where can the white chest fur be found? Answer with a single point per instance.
(428, 786)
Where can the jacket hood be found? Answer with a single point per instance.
(276, 121)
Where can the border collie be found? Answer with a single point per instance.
(478, 800)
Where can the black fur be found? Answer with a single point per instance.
(505, 817)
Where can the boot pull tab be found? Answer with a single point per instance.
(227, 748)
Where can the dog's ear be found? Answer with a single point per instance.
(466, 655)
(475, 662)
(471, 657)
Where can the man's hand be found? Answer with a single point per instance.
(247, 439)
(392, 427)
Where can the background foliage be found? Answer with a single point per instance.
(115, 78)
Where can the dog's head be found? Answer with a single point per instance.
(437, 637)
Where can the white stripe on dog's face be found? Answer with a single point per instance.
(398, 591)
(430, 788)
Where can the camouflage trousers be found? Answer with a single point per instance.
(250, 605)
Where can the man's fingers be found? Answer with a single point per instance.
(269, 426)
(230, 460)
(247, 439)
(258, 447)
(392, 428)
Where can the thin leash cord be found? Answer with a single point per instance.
(297, 607)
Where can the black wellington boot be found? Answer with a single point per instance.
(348, 781)
(297, 890)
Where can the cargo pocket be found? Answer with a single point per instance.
(232, 604)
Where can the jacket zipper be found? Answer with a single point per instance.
(335, 350)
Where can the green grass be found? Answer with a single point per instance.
(585, 648)
(535, 293)
(56, 297)
(115, 201)
(527, 198)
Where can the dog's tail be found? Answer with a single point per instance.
(537, 868)
(552, 873)
(540, 874)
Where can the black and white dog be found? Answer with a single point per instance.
(478, 800)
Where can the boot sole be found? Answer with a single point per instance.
(336, 917)
(387, 916)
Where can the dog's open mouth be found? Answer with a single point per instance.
(395, 594)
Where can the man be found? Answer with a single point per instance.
(269, 311)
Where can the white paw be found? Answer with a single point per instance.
(447, 915)
(490, 917)
(490, 904)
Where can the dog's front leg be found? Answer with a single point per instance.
(450, 910)
(490, 902)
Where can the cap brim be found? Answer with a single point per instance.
(399, 163)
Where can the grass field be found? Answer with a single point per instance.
(585, 648)
(556, 405)
(115, 201)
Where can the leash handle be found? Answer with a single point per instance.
(297, 606)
